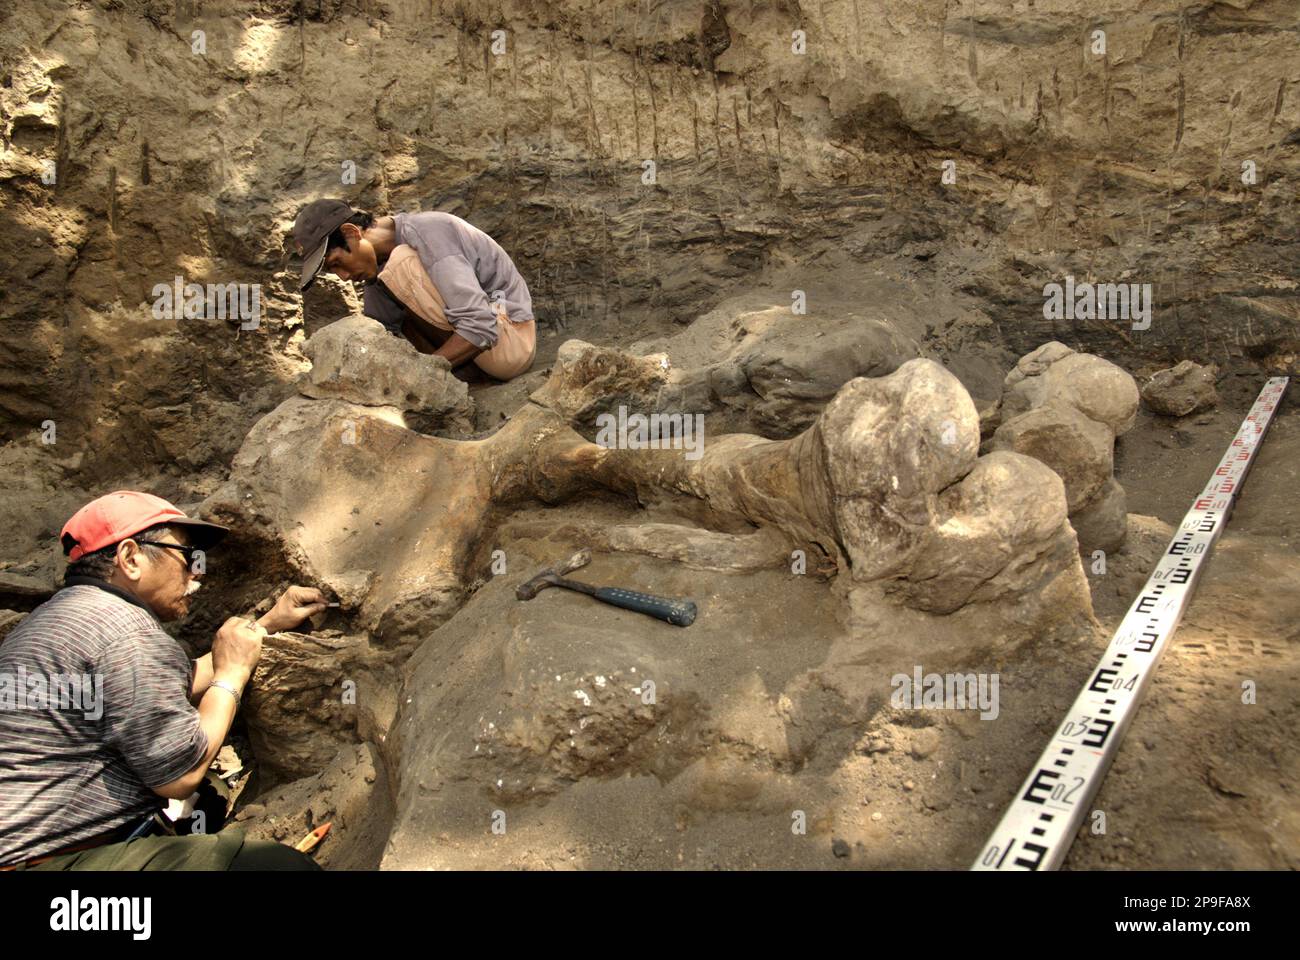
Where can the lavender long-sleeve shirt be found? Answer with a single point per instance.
(469, 269)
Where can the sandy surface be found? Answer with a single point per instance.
(1201, 781)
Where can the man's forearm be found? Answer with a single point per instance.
(202, 677)
(457, 350)
(216, 713)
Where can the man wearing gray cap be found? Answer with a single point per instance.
(434, 278)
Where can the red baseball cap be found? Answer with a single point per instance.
(114, 517)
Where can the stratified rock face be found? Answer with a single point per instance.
(1066, 409)
(1181, 390)
(764, 157)
(357, 360)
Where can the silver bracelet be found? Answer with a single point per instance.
(230, 688)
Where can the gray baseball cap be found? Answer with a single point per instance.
(311, 233)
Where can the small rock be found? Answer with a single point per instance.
(924, 742)
(840, 848)
(1181, 390)
(1220, 781)
(908, 785)
(934, 802)
(877, 816)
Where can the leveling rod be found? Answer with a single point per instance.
(1038, 827)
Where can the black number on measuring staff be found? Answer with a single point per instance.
(1038, 783)
(1063, 795)
(1075, 728)
(1057, 792)
(1107, 680)
(1093, 730)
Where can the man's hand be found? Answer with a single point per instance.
(294, 606)
(236, 649)
(457, 350)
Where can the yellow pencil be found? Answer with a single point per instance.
(308, 843)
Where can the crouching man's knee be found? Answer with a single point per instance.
(268, 855)
(225, 850)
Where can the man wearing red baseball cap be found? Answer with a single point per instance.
(103, 716)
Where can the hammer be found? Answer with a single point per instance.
(678, 612)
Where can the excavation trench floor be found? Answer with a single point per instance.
(1202, 780)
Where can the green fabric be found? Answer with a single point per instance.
(211, 851)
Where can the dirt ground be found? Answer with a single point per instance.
(1204, 780)
(824, 174)
(1201, 781)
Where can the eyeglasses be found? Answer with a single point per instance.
(188, 552)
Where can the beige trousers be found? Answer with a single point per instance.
(516, 344)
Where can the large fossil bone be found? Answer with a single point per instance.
(356, 497)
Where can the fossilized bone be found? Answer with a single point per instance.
(358, 498)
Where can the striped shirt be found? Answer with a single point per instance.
(75, 766)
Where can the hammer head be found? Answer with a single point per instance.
(546, 578)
